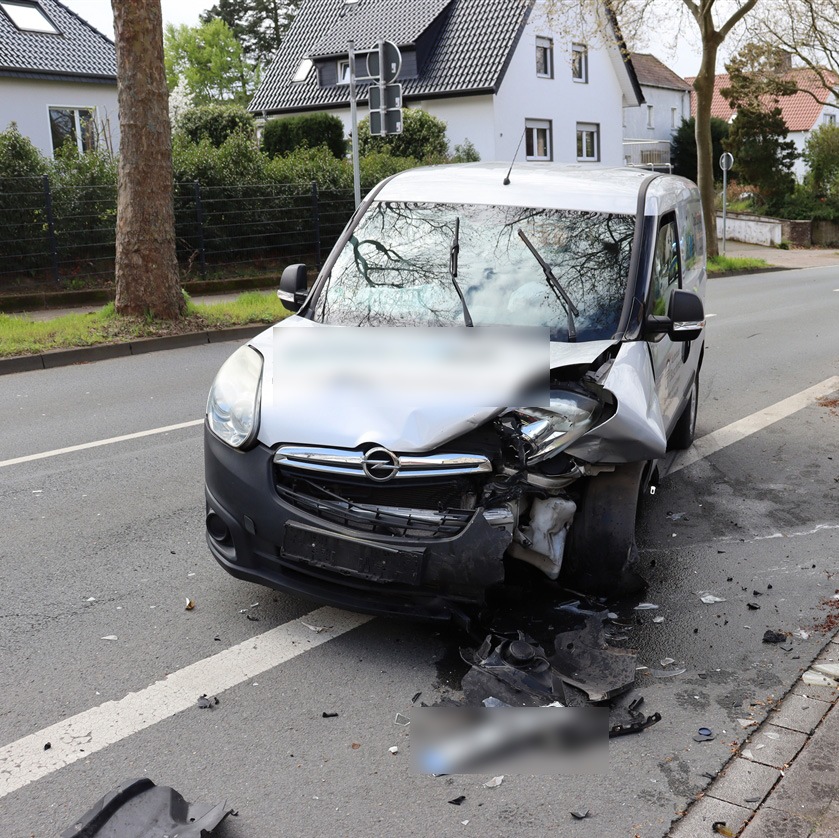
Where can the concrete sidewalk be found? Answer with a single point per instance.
(797, 258)
(784, 780)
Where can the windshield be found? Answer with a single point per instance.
(395, 270)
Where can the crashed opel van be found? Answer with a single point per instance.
(484, 376)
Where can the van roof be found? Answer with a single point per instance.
(583, 186)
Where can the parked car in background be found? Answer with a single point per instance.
(486, 372)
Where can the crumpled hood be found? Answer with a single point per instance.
(343, 414)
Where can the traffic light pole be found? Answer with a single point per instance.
(354, 121)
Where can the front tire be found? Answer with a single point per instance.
(601, 556)
(685, 431)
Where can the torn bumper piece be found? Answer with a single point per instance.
(140, 809)
(284, 547)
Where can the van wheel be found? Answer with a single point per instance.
(685, 430)
(600, 555)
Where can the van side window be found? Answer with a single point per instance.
(667, 269)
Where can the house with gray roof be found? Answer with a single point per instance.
(58, 78)
(648, 128)
(500, 73)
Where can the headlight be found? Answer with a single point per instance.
(233, 404)
(546, 431)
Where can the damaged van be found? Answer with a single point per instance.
(484, 375)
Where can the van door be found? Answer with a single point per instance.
(667, 355)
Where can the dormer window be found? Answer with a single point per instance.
(303, 70)
(344, 72)
(28, 17)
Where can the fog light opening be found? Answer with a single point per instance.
(217, 529)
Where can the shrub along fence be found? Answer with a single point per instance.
(64, 236)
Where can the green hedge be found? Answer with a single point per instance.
(215, 123)
(290, 133)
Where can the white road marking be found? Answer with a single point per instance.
(25, 761)
(722, 438)
(99, 442)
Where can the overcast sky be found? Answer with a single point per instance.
(98, 12)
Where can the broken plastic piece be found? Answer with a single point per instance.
(645, 606)
(492, 701)
(252, 618)
(658, 619)
(705, 731)
(752, 606)
(393, 750)
(699, 738)
(721, 829)
(774, 636)
(494, 782)
(668, 673)
(747, 723)
(402, 721)
(140, 809)
(47, 745)
(829, 669)
(316, 629)
(458, 800)
(709, 598)
(635, 726)
(817, 679)
(355, 746)
(110, 637)
(803, 635)
(190, 604)
(326, 715)
(752, 799)
(206, 702)
(667, 661)
(416, 697)
(580, 814)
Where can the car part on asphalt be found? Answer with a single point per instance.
(774, 636)
(141, 809)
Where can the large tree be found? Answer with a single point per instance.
(259, 25)
(209, 60)
(147, 281)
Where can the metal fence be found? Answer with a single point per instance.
(63, 236)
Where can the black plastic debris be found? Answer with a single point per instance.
(635, 726)
(47, 745)
(140, 809)
(458, 800)
(580, 814)
(329, 715)
(752, 606)
(415, 699)
(206, 702)
(514, 671)
(774, 636)
(252, 618)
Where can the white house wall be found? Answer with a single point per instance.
(27, 103)
(663, 101)
(523, 95)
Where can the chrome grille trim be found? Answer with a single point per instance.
(350, 463)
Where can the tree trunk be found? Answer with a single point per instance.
(147, 281)
(704, 87)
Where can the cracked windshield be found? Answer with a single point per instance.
(405, 264)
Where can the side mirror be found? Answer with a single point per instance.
(684, 321)
(687, 316)
(294, 284)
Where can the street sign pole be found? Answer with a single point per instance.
(354, 120)
(726, 162)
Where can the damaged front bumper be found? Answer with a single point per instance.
(257, 535)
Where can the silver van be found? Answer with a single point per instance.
(481, 379)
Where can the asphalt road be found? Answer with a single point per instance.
(108, 541)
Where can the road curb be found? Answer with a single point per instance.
(141, 346)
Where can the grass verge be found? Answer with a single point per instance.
(21, 336)
(721, 264)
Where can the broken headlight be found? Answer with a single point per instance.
(546, 431)
(233, 404)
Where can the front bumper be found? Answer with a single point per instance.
(256, 536)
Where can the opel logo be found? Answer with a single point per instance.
(380, 464)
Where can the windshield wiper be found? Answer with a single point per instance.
(454, 253)
(570, 309)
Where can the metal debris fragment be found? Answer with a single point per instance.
(580, 814)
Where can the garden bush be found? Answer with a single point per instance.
(423, 137)
(290, 133)
(215, 123)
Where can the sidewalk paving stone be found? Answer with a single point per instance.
(811, 784)
(829, 826)
(703, 814)
(744, 783)
(775, 752)
(770, 823)
(799, 713)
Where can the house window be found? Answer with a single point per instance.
(77, 125)
(588, 142)
(28, 16)
(544, 58)
(674, 117)
(303, 70)
(538, 139)
(579, 63)
(344, 72)
(830, 118)
(650, 117)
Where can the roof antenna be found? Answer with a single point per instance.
(507, 178)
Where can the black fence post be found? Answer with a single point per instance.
(316, 222)
(199, 214)
(53, 244)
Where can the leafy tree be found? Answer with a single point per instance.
(684, 145)
(18, 156)
(259, 25)
(821, 151)
(465, 152)
(763, 155)
(423, 137)
(210, 60)
(284, 135)
(215, 123)
(147, 280)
